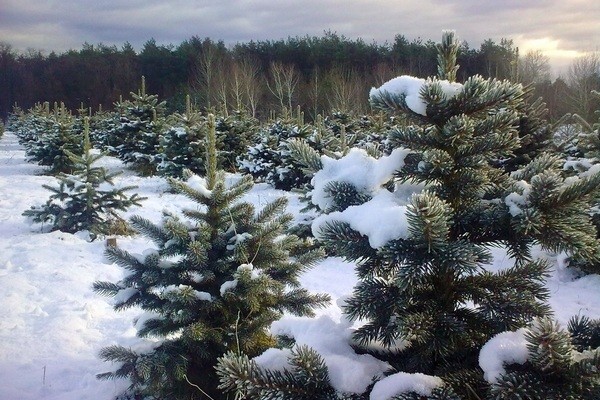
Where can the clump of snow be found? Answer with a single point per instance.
(349, 372)
(204, 296)
(410, 87)
(124, 294)
(403, 382)
(238, 238)
(228, 285)
(274, 359)
(365, 173)
(381, 219)
(516, 200)
(504, 348)
(199, 184)
(593, 170)
(249, 268)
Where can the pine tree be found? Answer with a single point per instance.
(424, 293)
(79, 203)
(215, 282)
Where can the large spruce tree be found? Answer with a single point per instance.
(424, 294)
(218, 277)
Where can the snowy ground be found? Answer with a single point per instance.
(52, 324)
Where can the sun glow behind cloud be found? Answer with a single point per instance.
(560, 58)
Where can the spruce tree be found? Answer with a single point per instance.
(554, 370)
(582, 164)
(15, 120)
(235, 133)
(50, 136)
(79, 202)
(136, 140)
(182, 145)
(269, 159)
(219, 276)
(424, 293)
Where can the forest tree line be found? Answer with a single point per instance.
(319, 74)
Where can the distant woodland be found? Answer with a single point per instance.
(318, 74)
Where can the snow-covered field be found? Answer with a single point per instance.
(52, 324)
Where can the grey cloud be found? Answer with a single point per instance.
(68, 23)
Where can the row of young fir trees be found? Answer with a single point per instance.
(140, 133)
(221, 274)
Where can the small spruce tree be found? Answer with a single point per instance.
(52, 136)
(136, 140)
(235, 132)
(182, 145)
(269, 160)
(215, 282)
(79, 203)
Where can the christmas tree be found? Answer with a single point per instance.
(216, 280)
(80, 202)
(136, 140)
(235, 132)
(269, 160)
(421, 236)
(583, 163)
(182, 145)
(49, 137)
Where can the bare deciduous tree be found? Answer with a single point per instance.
(583, 77)
(283, 82)
(345, 91)
(209, 71)
(534, 67)
(246, 85)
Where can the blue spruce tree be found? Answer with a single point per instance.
(424, 294)
(217, 279)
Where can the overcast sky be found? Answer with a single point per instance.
(562, 29)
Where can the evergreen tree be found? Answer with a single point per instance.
(582, 163)
(137, 138)
(235, 133)
(182, 145)
(28, 126)
(79, 203)
(215, 282)
(554, 370)
(102, 129)
(15, 120)
(48, 137)
(423, 293)
(269, 160)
